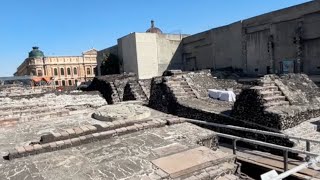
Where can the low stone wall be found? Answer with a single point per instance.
(88, 134)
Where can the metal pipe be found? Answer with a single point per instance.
(267, 144)
(297, 168)
(234, 146)
(285, 160)
(251, 130)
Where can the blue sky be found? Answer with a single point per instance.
(69, 27)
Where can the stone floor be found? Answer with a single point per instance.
(309, 129)
(123, 157)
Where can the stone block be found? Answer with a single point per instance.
(124, 130)
(145, 125)
(131, 129)
(47, 138)
(75, 141)
(92, 128)
(20, 150)
(151, 124)
(64, 135)
(85, 130)
(60, 144)
(53, 146)
(71, 132)
(122, 123)
(57, 136)
(107, 134)
(67, 143)
(96, 136)
(28, 148)
(139, 126)
(38, 148)
(46, 147)
(89, 138)
(116, 124)
(110, 125)
(78, 131)
(83, 139)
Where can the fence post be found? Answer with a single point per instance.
(234, 146)
(308, 149)
(285, 160)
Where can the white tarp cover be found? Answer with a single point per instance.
(222, 95)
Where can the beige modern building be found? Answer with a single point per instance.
(64, 70)
(146, 54)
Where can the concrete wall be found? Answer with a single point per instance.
(169, 52)
(217, 48)
(127, 52)
(260, 44)
(147, 55)
(150, 54)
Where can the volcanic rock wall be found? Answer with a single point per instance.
(124, 87)
(280, 102)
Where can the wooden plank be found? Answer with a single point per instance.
(270, 161)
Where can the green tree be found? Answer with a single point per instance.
(110, 64)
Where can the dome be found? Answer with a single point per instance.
(36, 53)
(154, 29)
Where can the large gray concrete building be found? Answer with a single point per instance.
(283, 41)
(287, 40)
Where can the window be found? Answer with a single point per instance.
(88, 71)
(70, 82)
(56, 83)
(76, 82)
(69, 71)
(75, 71)
(63, 83)
(62, 72)
(39, 73)
(55, 71)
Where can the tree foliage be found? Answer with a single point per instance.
(110, 64)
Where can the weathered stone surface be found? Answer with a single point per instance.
(199, 158)
(122, 112)
(116, 158)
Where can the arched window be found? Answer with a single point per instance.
(69, 82)
(62, 72)
(75, 71)
(63, 83)
(39, 73)
(88, 71)
(69, 71)
(55, 71)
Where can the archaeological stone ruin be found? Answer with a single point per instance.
(124, 127)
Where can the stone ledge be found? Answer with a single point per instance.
(55, 141)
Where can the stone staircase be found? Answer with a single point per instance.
(115, 95)
(271, 95)
(137, 91)
(179, 87)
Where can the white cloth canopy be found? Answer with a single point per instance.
(222, 95)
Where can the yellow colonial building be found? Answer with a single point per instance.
(63, 70)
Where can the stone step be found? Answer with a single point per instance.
(270, 93)
(274, 98)
(279, 103)
(271, 88)
(267, 84)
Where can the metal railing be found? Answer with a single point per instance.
(308, 141)
(285, 150)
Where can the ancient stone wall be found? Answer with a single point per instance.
(279, 102)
